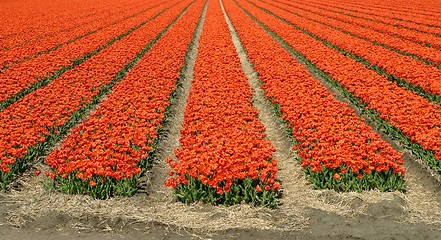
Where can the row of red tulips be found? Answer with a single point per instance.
(405, 11)
(414, 36)
(105, 154)
(396, 18)
(30, 125)
(24, 17)
(36, 17)
(337, 149)
(20, 79)
(39, 35)
(224, 157)
(405, 46)
(422, 78)
(402, 114)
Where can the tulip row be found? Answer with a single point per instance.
(407, 117)
(24, 17)
(224, 158)
(381, 15)
(337, 149)
(405, 47)
(22, 31)
(421, 80)
(28, 76)
(414, 36)
(406, 14)
(424, 10)
(29, 15)
(105, 155)
(30, 125)
(67, 26)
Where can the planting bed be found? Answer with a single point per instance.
(242, 119)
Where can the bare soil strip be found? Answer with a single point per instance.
(80, 115)
(75, 39)
(169, 138)
(428, 173)
(423, 191)
(53, 76)
(289, 169)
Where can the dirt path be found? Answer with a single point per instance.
(169, 138)
(322, 226)
(29, 211)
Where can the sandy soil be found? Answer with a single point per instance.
(380, 223)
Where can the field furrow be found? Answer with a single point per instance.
(224, 157)
(22, 79)
(337, 150)
(422, 79)
(424, 39)
(23, 53)
(382, 15)
(405, 116)
(31, 125)
(411, 14)
(105, 154)
(44, 27)
(401, 46)
(71, 23)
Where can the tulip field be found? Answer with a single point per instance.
(87, 89)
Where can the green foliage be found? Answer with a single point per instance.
(241, 191)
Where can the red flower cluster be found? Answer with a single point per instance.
(421, 119)
(114, 142)
(58, 26)
(40, 114)
(413, 115)
(414, 36)
(402, 16)
(22, 76)
(385, 59)
(332, 139)
(224, 157)
(421, 75)
(37, 21)
(385, 16)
